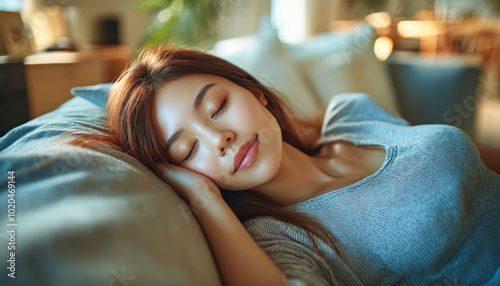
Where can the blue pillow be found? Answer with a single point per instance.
(97, 94)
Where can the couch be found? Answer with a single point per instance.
(75, 216)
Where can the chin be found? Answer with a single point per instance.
(253, 178)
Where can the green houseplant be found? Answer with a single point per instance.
(183, 22)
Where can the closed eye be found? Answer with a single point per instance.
(221, 108)
(192, 151)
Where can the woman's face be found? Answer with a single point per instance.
(219, 129)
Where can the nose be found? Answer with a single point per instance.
(223, 142)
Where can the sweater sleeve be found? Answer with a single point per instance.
(288, 251)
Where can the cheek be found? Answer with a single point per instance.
(251, 116)
(242, 117)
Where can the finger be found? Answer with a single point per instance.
(178, 175)
(190, 185)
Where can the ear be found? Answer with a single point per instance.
(261, 98)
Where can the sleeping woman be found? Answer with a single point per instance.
(358, 197)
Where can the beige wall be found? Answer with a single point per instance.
(133, 22)
(321, 12)
(82, 18)
(242, 17)
(239, 17)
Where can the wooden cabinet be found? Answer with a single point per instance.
(50, 76)
(49, 84)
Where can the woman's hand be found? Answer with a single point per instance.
(240, 260)
(193, 187)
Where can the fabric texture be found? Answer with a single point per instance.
(97, 94)
(429, 216)
(94, 217)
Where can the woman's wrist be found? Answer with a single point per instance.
(204, 198)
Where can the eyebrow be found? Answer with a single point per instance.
(201, 94)
(174, 138)
(196, 105)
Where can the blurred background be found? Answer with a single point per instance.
(49, 46)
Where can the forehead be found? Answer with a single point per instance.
(188, 83)
(183, 91)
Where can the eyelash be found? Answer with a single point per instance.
(221, 108)
(191, 152)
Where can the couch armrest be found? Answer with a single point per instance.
(438, 90)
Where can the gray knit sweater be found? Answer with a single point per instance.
(429, 216)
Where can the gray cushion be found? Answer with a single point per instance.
(93, 217)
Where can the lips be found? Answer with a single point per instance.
(246, 155)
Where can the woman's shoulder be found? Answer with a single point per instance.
(356, 107)
(356, 117)
(447, 140)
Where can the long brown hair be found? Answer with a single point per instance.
(130, 125)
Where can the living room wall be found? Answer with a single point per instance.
(240, 17)
(132, 21)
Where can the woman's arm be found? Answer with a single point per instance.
(490, 156)
(239, 259)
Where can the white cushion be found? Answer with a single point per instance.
(311, 72)
(335, 63)
(264, 56)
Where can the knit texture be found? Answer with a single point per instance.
(429, 216)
